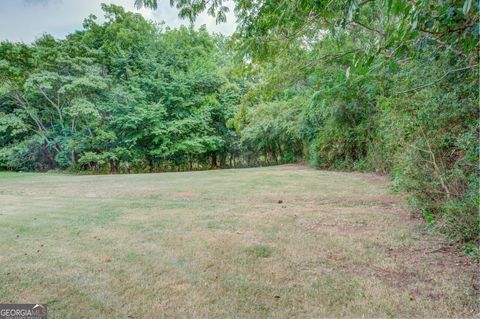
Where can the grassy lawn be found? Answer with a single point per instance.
(284, 241)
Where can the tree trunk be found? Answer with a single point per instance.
(214, 160)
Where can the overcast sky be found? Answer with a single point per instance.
(25, 20)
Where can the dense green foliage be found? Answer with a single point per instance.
(123, 95)
(379, 85)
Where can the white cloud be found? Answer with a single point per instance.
(25, 20)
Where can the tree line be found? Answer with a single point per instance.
(125, 95)
(388, 86)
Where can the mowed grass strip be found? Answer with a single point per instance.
(285, 241)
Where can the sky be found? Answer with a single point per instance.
(26, 20)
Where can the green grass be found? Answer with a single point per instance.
(259, 251)
(219, 244)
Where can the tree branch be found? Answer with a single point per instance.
(437, 80)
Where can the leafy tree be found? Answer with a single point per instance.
(121, 95)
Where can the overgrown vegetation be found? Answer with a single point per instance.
(125, 95)
(380, 85)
